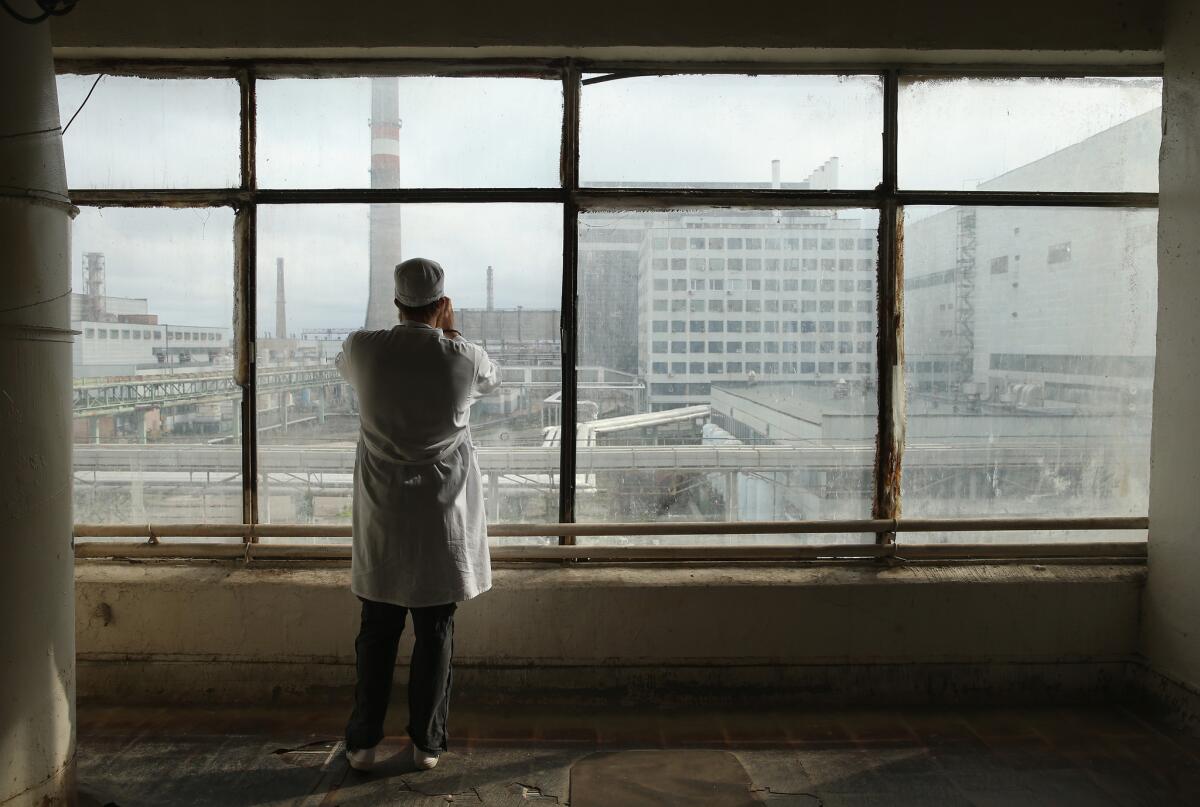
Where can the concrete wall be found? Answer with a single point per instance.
(1024, 25)
(916, 634)
(1172, 606)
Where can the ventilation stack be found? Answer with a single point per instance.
(281, 330)
(384, 218)
(491, 291)
(37, 586)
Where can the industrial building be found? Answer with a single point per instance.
(856, 466)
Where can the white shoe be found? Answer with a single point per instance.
(361, 760)
(423, 760)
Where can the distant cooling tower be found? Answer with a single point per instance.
(385, 219)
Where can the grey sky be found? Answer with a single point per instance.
(505, 132)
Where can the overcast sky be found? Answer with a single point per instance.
(505, 132)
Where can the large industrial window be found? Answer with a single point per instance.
(940, 289)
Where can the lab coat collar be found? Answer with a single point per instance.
(410, 323)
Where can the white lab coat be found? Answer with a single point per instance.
(420, 530)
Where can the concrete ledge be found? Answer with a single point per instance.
(205, 632)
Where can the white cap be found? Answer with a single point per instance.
(419, 281)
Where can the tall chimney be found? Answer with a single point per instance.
(281, 330)
(491, 291)
(775, 175)
(384, 218)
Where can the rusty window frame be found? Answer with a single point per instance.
(888, 198)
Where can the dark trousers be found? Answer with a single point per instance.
(429, 676)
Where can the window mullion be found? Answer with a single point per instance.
(245, 229)
(889, 443)
(568, 320)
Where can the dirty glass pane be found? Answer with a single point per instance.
(725, 132)
(328, 259)
(419, 132)
(151, 133)
(727, 369)
(1029, 338)
(156, 426)
(1030, 134)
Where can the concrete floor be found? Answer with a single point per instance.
(802, 757)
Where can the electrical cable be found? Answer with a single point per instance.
(50, 8)
(85, 99)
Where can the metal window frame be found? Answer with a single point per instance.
(888, 198)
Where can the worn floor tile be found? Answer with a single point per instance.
(793, 757)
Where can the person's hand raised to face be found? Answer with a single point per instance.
(445, 315)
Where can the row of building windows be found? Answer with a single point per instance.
(761, 265)
(829, 346)
(754, 326)
(1110, 366)
(793, 244)
(771, 306)
(123, 333)
(763, 306)
(770, 284)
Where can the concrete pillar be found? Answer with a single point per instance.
(1171, 608)
(37, 633)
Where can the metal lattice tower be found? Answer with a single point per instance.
(964, 300)
(93, 286)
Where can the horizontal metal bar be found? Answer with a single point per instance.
(660, 554)
(551, 67)
(872, 525)
(150, 68)
(599, 199)
(654, 198)
(408, 195)
(768, 66)
(1027, 198)
(178, 198)
(595, 199)
(266, 68)
(229, 197)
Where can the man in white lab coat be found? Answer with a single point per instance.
(420, 535)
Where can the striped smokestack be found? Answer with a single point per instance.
(385, 219)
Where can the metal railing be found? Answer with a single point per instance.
(250, 534)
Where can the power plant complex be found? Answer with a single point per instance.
(732, 352)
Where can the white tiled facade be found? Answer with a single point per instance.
(771, 295)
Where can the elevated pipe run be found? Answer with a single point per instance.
(37, 665)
